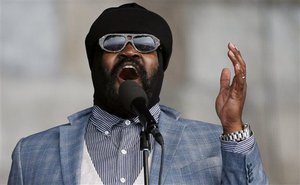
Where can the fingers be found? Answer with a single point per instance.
(238, 63)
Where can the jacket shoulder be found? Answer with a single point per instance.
(40, 139)
(52, 134)
(204, 127)
(201, 126)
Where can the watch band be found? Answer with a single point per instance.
(238, 135)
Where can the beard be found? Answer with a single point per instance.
(111, 91)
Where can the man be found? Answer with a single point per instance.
(100, 145)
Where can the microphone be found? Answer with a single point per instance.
(134, 99)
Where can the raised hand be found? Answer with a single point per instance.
(231, 98)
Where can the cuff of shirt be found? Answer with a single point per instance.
(238, 147)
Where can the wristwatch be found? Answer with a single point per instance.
(238, 135)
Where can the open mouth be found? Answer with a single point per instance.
(128, 72)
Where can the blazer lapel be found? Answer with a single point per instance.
(171, 131)
(71, 146)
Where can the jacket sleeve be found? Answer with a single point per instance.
(243, 168)
(15, 175)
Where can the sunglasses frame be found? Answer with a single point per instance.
(129, 39)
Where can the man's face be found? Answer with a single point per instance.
(115, 63)
(129, 64)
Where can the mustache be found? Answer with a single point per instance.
(128, 61)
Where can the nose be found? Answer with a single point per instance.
(129, 51)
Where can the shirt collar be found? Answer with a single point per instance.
(104, 121)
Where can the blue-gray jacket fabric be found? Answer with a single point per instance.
(193, 155)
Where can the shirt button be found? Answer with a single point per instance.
(123, 180)
(127, 122)
(123, 151)
(106, 132)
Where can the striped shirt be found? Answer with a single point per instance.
(114, 146)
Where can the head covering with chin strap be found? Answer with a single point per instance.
(127, 18)
(130, 18)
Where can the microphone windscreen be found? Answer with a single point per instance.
(129, 91)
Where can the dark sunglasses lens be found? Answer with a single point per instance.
(144, 43)
(114, 43)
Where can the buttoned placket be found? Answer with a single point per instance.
(124, 150)
(127, 143)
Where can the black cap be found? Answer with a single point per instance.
(130, 18)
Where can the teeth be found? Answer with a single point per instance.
(129, 67)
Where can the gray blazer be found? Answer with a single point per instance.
(193, 155)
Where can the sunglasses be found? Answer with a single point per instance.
(143, 43)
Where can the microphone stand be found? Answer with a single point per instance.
(145, 146)
(149, 127)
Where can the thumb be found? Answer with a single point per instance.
(225, 79)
